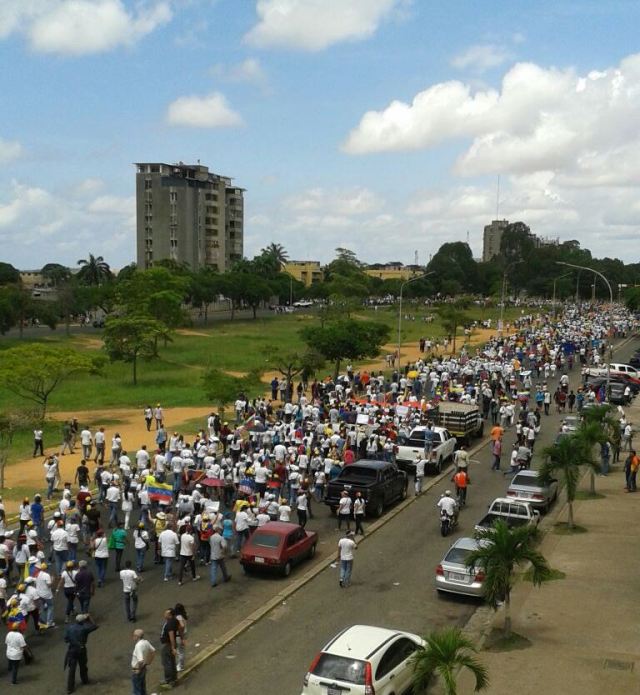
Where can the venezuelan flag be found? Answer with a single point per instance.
(160, 492)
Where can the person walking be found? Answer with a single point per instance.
(218, 545)
(168, 639)
(143, 654)
(496, 451)
(344, 510)
(76, 637)
(148, 417)
(16, 647)
(38, 442)
(421, 465)
(359, 512)
(67, 583)
(346, 549)
(181, 637)
(302, 506)
(85, 586)
(141, 545)
(118, 540)
(130, 580)
(100, 548)
(45, 594)
(50, 474)
(187, 554)
(168, 541)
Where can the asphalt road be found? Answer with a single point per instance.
(392, 586)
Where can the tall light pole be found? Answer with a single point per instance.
(553, 301)
(599, 274)
(504, 287)
(406, 282)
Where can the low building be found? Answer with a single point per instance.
(393, 271)
(306, 272)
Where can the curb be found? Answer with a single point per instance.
(257, 615)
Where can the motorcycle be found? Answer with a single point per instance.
(447, 522)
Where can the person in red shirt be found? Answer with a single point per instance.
(348, 457)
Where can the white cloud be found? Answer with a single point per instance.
(10, 150)
(481, 57)
(211, 111)
(39, 225)
(77, 27)
(541, 119)
(335, 203)
(249, 70)
(313, 25)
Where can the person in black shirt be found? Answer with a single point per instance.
(76, 638)
(82, 474)
(169, 647)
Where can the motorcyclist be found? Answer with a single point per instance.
(461, 481)
(523, 457)
(447, 504)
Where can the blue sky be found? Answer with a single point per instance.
(381, 125)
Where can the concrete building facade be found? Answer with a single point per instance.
(307, 272)
(188, 214)
(492, 237)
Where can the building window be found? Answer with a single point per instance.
(173, 197)
(147, 184)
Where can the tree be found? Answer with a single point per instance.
(206, 286)
(346, 339)
(501, 550)
(455, 268)
(252, 290)
(291, 362)
(131, 338)
(94, 271)
(445, 653)
(33, 371)
(56, 274)
(594, 430)
(8, 274)
(222, 388)
(277, 252)
(632, 298)
(565, 459)
(452, 317)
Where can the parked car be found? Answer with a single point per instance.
(571, 422)
(512, 512)
(363, 660)
(525, 486)
(452, 574)
(410, 449)
(380, 482)
(278, 546)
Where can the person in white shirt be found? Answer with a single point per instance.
(168, 541)
(86, 441)
(113, 498)
(187, 551)
(302, 507)
(241, 527)
(45, 594)
(143, 654)
(344, 510)
(130, 580)
(99, 440)
(447, 504)
(284, 512)
(142, 458)
(421, 464)
(60, 541)
(16, 645)
(359, 512)
(346, 549)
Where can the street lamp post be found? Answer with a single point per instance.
(553, 301)
(406, 282)
(599, 274)
(504, 288)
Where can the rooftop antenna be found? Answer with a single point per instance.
(467, 237)
(498, 199)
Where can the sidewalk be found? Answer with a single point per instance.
(584, 629)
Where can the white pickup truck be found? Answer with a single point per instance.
(410, 449)
(512, 512)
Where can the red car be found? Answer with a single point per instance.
(278, 546)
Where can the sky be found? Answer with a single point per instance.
(384, 126)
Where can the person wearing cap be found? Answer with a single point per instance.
(346, 549)
(43, 583)
(141, 545)
(142, 656)
(76, 636)
(60, 541)
(85, 586)
(100, 547)
(16, 646)
(67, 583)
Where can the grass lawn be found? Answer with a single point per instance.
(235, 346)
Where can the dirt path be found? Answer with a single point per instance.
(26, 476)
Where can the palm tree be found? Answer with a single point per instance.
(277, 252)
(446, 651)
(565, 459)
(500, 552)
(590, 433)
(94, 271)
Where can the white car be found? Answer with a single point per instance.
(363, 660)
(411, 448)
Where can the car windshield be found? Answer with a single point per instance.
(340, 668)
(525, 481)
(457, 555)
(266, 540)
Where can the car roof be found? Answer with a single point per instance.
(282, 528)
(362, 641)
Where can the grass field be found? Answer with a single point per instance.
(175, 378)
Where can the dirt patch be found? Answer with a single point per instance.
(89, 342)
(188, 331)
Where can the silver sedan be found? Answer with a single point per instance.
(526, 487)
(453, 575)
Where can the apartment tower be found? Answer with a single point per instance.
(188, 214)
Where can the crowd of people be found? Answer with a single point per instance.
(190, 503)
